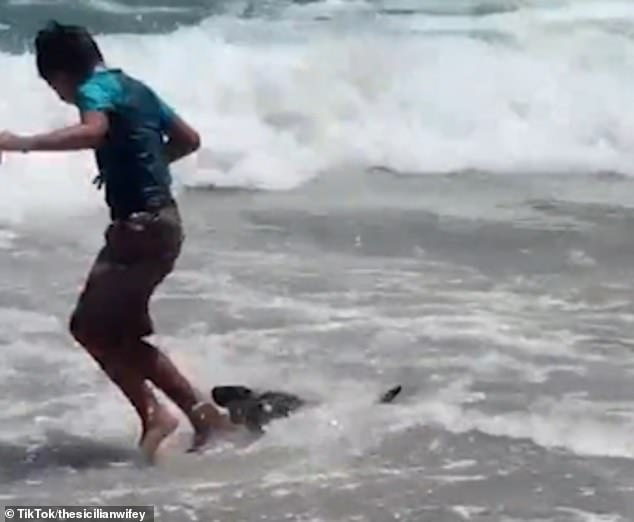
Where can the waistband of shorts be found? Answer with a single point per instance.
(152, 206)
(156, 204)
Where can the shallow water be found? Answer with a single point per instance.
(510, 335)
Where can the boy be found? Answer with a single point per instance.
(135, 136)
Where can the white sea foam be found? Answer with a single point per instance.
(279, 102)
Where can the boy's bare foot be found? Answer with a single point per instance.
(206, 419)
(162, 425)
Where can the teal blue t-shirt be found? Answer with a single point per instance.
(132, 163)
(104, 90)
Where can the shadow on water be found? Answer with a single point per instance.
(61, 450)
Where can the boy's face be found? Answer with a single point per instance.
(63, 85)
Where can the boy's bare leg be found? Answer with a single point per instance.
(159, 369)
(161, 425)
(156, 421)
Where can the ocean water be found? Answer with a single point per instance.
(437, 193)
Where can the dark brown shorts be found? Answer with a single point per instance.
(139, 253)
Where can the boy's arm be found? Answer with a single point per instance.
(87, 134)
(182, 139)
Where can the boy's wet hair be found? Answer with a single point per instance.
(66, 49)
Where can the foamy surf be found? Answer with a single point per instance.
(282, 101)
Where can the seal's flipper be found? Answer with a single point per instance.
(391, 394)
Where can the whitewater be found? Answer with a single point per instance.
(433, 193)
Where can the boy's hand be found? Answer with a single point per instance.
(13, 142)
